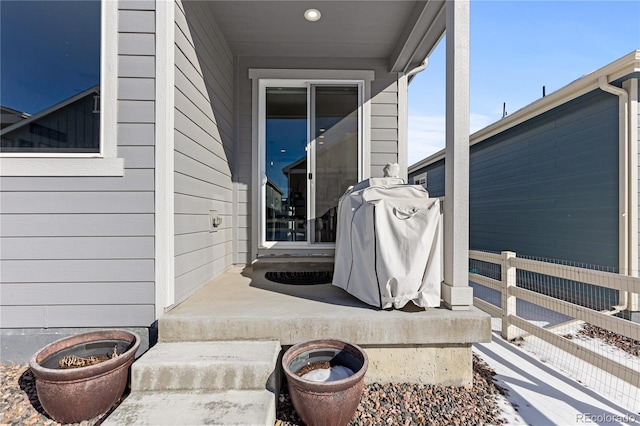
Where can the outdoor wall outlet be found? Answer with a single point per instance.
(214, 220)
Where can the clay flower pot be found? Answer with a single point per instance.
(76, 394)
(329, 403)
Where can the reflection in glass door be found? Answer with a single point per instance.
(334, 127)
(310, 157)
(286, 164)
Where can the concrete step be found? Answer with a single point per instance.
(218, 365)
(255, 407)
(293, 264)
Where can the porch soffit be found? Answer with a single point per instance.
(402, 32)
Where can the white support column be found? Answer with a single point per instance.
(164, 165)
(456, 293)
(403, 125)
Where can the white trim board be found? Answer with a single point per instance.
(164, 159)
(302, 74)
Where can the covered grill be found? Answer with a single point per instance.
(389, 244)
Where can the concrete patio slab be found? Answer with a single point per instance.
(418, 345)
(243, 305)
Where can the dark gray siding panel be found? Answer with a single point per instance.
(79, 251)
(435, 178)
(203, 147)
(547, 187)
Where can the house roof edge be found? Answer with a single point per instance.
(615, 70)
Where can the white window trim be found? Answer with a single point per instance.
(303, 78)
(106, 163)
(417, 180)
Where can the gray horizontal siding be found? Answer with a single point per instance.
(137, 4)
(384, 123)
(195, 238)
(19, 248)
(203, 147)
(79, 251)
(141, 111)
(74, 270)
(36, 202)
(137, 88)
(76, 225)
(136, 21)
(133, 180)
(137, 66)
(90, 293)
(88, 315)
(136, 44)
(131, 134)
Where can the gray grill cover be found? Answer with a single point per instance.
(389, 244)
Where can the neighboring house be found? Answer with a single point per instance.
(10, 116)
(558, 179)
(203, 107)
(72, 125)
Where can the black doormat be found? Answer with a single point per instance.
(300, 278)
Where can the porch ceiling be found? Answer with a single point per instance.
(403, 32)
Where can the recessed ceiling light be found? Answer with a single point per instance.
(312, 15)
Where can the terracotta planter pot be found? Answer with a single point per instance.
(330, 403)
(77, 394)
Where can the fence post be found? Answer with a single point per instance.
(508, 276)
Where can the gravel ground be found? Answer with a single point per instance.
(20, 404)
(390, 404)
(628, 345)
(394, 404)
(409, 404)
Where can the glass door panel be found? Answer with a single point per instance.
(334, 128)
(286, 164)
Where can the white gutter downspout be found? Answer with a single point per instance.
(624, 179)
(419, 68)
(403, 117)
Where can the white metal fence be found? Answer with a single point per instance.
(569, 316)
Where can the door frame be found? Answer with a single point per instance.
(300, 78)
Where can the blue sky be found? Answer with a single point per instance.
(516, 47)
(50, 51)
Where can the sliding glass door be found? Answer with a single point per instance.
(310, 154)
(334, 127)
